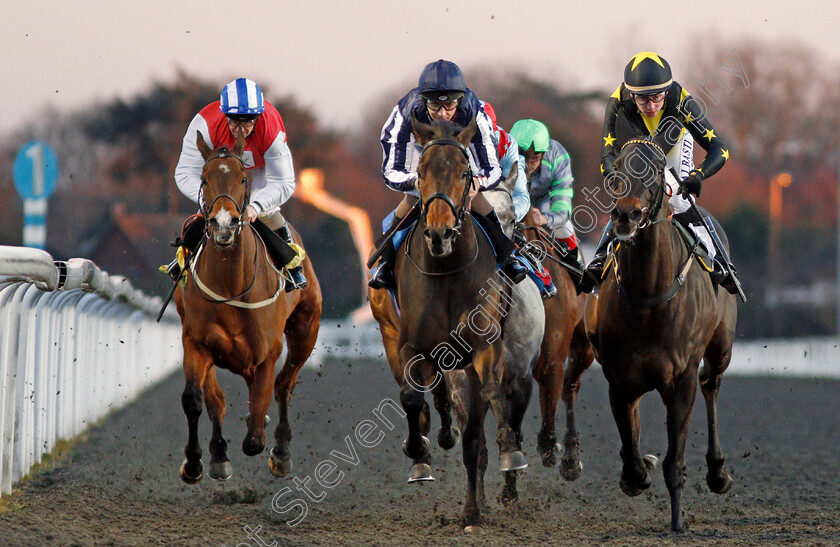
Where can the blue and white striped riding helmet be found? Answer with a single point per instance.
(242, 97)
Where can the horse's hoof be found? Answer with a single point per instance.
(448, 438)
(279, 467)
(190, 479)
(508, 496)
(220, 471)
(720, 485)
(570, 471)
(475, 530)
(512, 461)
(549, 454)
(420, 472)
(633, 490)
(425, 452)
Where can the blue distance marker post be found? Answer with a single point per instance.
(35, 174)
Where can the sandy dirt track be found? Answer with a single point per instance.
(119, 485)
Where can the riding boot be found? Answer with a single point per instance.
(382, 275)
(720, 274)
(504, 247)
(574, 258)
(593, 273)
(296, 273)
(192, 236)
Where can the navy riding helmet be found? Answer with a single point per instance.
(442, 81)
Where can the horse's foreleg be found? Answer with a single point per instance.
(679, 405)
(260, 386)
(489, 366)
(280, 459)
(580, 357)
(550, 381)
(717, 478)
(412, 398)
(636, 472)
(301, 331)
(214, 399)
(196, 365)
(474, 447)
(517, 390)
(447, 436)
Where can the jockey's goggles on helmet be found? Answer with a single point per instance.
(243, 118)
(651, 98)
(436, 105)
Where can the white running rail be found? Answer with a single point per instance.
(75, 343)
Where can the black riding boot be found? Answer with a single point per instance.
(504, 247)
(296, 273)
(382, 275)
(720, 274)
(593, 273)
(193, 234)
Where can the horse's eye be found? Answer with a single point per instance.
(466, 174)
(244, 180)
(203, 181)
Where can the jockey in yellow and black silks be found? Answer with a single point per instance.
(657, 108)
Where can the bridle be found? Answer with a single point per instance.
(205, 209)
(659, 195)
(459, 211)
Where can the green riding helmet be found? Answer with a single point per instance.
(530, 133)
(647, 73)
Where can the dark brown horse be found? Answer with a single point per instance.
(234, 313)
(452, 308)
(564, 337)
(656, 317)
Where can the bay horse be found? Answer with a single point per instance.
(451, 305)
(565, 336)
(657, 315)
(234, 313)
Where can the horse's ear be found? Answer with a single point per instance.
(422, 132)
(239, 146)
(467, 133)
(205, 150)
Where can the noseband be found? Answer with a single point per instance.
(223, 153)
(459, 211)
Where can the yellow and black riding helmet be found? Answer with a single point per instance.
(647, 73)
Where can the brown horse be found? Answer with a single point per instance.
(234, 313)
(452, 306)
(656, 317)
(564, 337)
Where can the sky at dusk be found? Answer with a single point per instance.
(338, 57)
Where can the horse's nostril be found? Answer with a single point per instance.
(448, 233)
(635, 215)
(614, 214)
(427, 233)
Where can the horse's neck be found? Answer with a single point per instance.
(648, 265)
